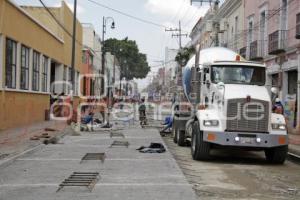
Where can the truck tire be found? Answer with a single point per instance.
(180, 138)
(199, 148)
(174, 131)
(276, 155)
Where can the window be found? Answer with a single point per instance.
(24, 78)
(250, 32)
(292, 82)
(236, 24)
(69, 79)
(262, 33)
(10, 63)
(35, 71)
(76, 83)
(84, 57)
(91, 60)
(64, 79)
(45, 74)
(284, 18)
(298, 26)
(238, 75)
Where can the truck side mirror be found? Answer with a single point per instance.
(221, 85)
(274, 90)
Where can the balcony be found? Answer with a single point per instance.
(298, 26)
(277, 42)
(243, 52)
(255, 55)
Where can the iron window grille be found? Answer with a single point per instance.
(36, 71)
(10, 63)
(298, 26)
(45, 74)
(24, 76)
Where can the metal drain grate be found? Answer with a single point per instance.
(80, 179)
(116, 134)
(120, 143)
(94, 156)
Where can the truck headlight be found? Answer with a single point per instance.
(279, 127)
(211, 123)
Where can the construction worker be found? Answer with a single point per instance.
(278, 107)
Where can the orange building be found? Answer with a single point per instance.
(35, 53)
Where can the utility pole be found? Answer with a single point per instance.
(205, 1)
(178, 33)
(73, 49)
(103, 65)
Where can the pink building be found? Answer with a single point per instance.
(272, 30)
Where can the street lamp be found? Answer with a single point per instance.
(104, 23)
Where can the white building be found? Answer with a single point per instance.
(170, 68)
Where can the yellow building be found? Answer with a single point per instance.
(35, 52)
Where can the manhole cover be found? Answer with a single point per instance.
(94, 156)
(116, 134)
(80, 179)
(120, 143)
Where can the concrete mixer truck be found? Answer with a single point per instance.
(228, 104)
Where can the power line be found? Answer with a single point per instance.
(178, 33)
(128, 15)
(178, 11)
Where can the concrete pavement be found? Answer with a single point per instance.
(125, 173)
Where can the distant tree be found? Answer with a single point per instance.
(133, 63)
(184, 55)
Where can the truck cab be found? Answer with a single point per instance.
(234, 110)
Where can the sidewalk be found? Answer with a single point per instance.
(125, 173)
(294, 144)
(17, 140)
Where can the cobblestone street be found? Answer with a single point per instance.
(237, 175)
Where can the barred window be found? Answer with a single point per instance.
(24, 78)
(35, 71)
(45, 74)
(10, 63)
(64, 79)
(76, 83)
(69, 79)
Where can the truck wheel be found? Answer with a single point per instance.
(199, 148)
(276, 155)
(174, 131)
(180, 138)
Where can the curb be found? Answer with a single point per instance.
(294, 154)
(9, 160)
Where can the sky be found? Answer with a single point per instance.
(151, 39)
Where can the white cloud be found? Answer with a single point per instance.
(175, 10)
(80, 9)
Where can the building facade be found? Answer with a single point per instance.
(92, 60)
(170, 69)
(35, 58)
(271, 36)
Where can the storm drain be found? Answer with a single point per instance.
(120, 144)
(116, 134)
(81, 179)
(93, 156)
